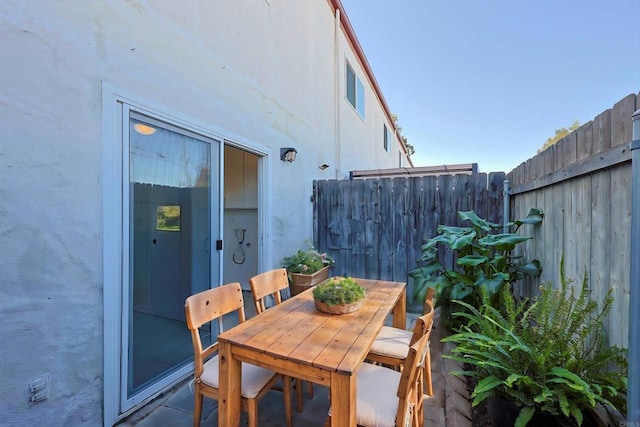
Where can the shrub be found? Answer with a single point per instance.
(484, 263)
(546, 355)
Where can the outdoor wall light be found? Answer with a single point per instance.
(323, 166)
(288, 154)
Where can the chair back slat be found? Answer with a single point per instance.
(428, 301)
(213, 303)
(268, 283)
(423, 323)
(412, 365)
(410, 386)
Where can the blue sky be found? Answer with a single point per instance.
(489, 81)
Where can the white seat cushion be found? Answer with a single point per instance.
(392, 342)
(254, 378)
(376, 396)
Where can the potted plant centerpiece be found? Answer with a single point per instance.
(306, 269)
(338, 295)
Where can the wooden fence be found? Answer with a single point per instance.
(583, 185)
(375, 228)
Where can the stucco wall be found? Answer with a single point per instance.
(263, 71)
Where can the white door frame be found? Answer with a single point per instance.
(116, 104)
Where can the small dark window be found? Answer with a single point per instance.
(351, 86)
(386, 137)
(355, 91)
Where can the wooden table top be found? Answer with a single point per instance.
(297, 332)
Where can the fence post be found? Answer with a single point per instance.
(633, 383)
(506, 191)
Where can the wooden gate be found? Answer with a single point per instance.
(375, 228)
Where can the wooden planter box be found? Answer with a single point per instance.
(301, 282)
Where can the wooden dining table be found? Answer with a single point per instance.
(295, 339)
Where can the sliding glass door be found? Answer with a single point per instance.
(173, 194)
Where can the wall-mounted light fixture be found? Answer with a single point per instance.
(288, 154)
(323, 166)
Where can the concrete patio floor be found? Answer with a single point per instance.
(449, 406)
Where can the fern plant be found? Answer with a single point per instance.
(545, 355)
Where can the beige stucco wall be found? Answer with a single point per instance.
(260, 70)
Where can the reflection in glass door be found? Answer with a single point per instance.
(171, 210)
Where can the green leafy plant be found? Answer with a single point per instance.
(545, 355)
(307, 262)
(338, 291)
(484, 263)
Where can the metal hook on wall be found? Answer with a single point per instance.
(239, 255)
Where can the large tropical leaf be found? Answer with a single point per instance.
(535, 216)
(500, 262)
(426, 271)
(460, 241)
(477, 221)
(472, 260)
(421, 286)
(493, 284)
(433, 242)
(504, 241)
(429, 256)
(532, 268)
(457, 277)
(461, 291)
(452, 229)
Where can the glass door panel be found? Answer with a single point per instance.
(171, 210)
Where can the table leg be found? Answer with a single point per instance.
(229, 403)
(400, 311)
(343, 400)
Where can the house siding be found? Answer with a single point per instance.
(255, 71)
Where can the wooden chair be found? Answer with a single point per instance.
(205, 307)
(388, 398)
(272, 283)
(392, 344)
